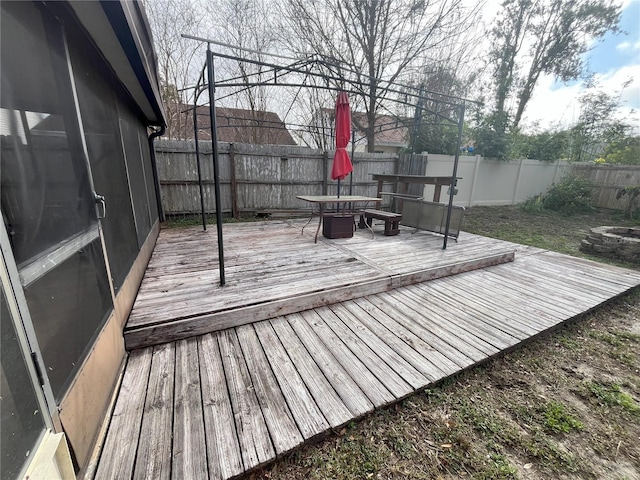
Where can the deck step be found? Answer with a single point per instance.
(190, 326)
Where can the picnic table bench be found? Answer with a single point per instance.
(391, 220)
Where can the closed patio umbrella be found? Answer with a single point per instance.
(341, 162)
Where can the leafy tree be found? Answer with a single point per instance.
(437, 138)
(625, 150)
(510, 31)
(532, 38)
(491, 139)
(547, 145)
(599, 132)
(449, 72)
(429, 131)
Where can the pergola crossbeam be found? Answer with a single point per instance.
(332, 73)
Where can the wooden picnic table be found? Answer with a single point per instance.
(403, 182)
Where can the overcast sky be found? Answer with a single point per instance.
(614, 60)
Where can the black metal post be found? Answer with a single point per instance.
(325, 173)
(353, 153)
(195, 136)
(454, 176)
(154, 170)
(216, 173)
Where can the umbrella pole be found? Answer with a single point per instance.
(338, 195)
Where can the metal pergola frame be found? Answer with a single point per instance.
(315, 67)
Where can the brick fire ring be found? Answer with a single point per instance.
(615, 242)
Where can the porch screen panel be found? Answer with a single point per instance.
(76, 294)
(46, 195)
(46, 192)
(129, 125)
(22, 422)
(95, 88)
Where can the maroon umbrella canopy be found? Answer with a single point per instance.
(341, 162)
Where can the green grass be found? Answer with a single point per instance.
(178, 221)
(557, 418)
(611, 395)
(548, 455)
(544, 229)
(624, 345)
(569, 342)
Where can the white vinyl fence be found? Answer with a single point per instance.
(484, 181)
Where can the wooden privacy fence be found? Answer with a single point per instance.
(257, 177)
(608, 180)
(269, 177)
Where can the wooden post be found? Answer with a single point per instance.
(234, 183)
(436, 192)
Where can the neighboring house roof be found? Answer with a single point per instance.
(389, 130)
(236, 125)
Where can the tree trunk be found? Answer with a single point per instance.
(523, 99)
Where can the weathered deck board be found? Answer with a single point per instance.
(153, 459)
(308, 416)
(282, 428)
(433, 364)
(284, 301)
(437, 322)
(346, 319)
(325, 396)
(505, 282)
(376, 391)
(485, 307)
(253, 435)
(266, 388)
(117, 462)
(224, 457)
(189, 459)
(391, 378)
(428, 334)
(346, 386)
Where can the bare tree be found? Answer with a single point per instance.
(178, 58)
(315, 121)
(377, 39)
(245, 24)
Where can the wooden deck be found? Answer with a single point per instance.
(221, 404)
(271, 270)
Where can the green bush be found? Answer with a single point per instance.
(571, 195)
(533, 204)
